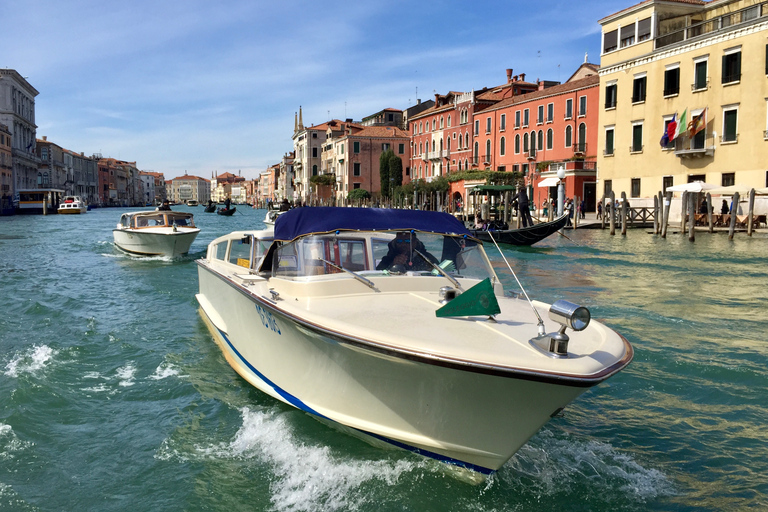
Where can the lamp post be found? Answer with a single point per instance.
(560, 191)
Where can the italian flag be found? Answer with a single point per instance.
(682, 124)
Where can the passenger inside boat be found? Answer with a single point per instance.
(406, 252)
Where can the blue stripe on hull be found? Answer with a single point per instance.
(289, 398)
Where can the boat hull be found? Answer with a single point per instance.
(523, 236)
(412, 401)
(157, 243)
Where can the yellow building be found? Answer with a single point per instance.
(665, 60)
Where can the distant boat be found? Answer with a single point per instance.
(156, 232)
(522, 236)
(192, 202)
(72, 205)
(224, 211)
(210, 208)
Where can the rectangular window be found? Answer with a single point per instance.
(610, 41)
(356, 169)
(731, 67)
(401, 149)
(607, 187)
(638, 89)
(627, 35)
(644, 29)
(666, 182)
(672, 81)
(517, 119)
(582, 105)
(637, 138)
(635, 187)
(699, 140)
(356, 146)
(730, 118)
(525, 118)
(540, 115)
(503, 122)
(488, 125)
(355, 186)
(610, 96)
(314, 152)
(609, 141)
(568, 108)
(477, 127)
(728, 179)
(550, 112)
(385, 146)
(700, 75)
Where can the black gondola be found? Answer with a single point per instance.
(210, 208)
(225, 211)
(522, 236)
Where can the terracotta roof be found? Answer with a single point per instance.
(590, 81)
(188, 177)
(646, 2)
(380, 132)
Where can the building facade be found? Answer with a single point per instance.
(17, 112)
(190, 188)
(700, 66)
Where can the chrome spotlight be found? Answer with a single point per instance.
(568, 315)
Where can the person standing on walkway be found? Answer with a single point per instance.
(600, 210)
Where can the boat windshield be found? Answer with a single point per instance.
(161, 219)
(382, 253)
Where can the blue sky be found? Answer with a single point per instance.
(202, 86)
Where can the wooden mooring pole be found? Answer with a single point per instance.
(666, 206)
(692, 217)
(613, 213)
(656, 201)
(734, 211)
(710, 217)
(751, 212)
(624, 214)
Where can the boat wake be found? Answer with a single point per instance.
(31, 361)
(549, 466)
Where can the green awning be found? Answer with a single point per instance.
(492, 188)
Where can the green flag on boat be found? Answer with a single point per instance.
(478, 300)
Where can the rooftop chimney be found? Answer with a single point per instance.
(45, 137)
(522, 77)
(509, 75)
(437, 100)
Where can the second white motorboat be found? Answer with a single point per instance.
(72, 205)
(394, 324)
(156, 233)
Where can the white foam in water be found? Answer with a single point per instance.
(9, 443)
(308, 477)
(557, 464)
(32, 360)
(126, 375)
(164, 371)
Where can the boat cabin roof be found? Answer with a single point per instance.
(316, 220)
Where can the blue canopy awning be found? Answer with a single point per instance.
(304, 221)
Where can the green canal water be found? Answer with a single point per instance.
(113, 395)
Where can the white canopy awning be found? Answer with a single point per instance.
(743, 190)
(548, 182)
(694, 186)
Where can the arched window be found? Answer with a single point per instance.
(459, 164)
(449, 121)
(525, 143)
(421, 147)
(582, 142)
(449, 144)
(488, 150)
(517, 144)
(466, 139)
(502, 146)
(434, 124)
(568, 136)
(441, 143)
(441, 122)
(550, 138)
(433, 145)
(421, 128)
(477, 151)
(541, 140)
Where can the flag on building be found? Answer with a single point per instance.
(669, 133)
(698, 123)
(682, 124)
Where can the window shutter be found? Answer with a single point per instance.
(610, 40)
(643, 28)
(724, 70)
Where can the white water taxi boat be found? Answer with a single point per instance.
(271, 217)
(156, 232)
(393, 323)
(72, 205)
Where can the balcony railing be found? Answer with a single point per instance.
(579, 148)
(713, 25)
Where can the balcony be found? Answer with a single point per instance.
(579, 148)
(531, 154)
(713, 25)
(697, 150)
